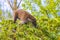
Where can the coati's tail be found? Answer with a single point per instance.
(33, 20)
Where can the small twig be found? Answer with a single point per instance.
(19, 4)
(10, 4)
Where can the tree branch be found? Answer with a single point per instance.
(10, 4)
(19, 4)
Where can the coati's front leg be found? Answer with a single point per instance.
(34, 23)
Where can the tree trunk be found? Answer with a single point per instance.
(15, 5)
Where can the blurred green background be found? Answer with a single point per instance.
(47, 13)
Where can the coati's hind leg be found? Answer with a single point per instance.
(15, 18)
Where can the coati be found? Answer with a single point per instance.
(24, 16)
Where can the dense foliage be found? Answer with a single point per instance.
(48, 22)
(47, 30)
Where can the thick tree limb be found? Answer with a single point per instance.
(19, 4)
(10, 4)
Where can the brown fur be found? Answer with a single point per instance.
(24, 16)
